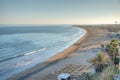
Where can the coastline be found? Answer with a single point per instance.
(80, 52)
(63, 54)
(59, 56)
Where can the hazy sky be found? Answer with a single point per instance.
(59, 11)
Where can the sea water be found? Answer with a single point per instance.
(22, 47)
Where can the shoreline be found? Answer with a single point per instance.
(84, 49)
(63, 54)
(59, 56)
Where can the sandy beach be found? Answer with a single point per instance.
(78, 53)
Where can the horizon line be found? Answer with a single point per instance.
(64, 24)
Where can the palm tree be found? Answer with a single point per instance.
(114, 43)
(98, 62)
(112, 50)
(109, 50)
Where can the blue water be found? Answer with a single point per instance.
(22, 47)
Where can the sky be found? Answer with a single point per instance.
(59, 11)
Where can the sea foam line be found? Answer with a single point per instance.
(25, 54)
(36, 51)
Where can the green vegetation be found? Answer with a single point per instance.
(104, 70)
(88, 76)
(107, 74)
(112, 50)
(99, 62)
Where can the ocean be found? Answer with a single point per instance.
(22, 47)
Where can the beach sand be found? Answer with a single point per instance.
(78, 53)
